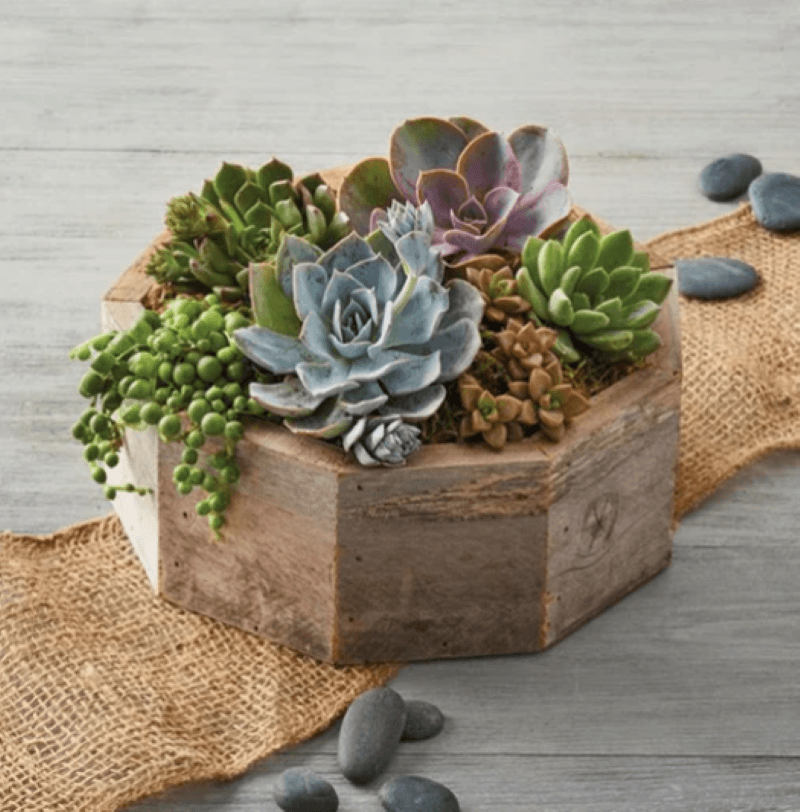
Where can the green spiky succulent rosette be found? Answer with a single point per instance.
(439, 297)
(239, 218)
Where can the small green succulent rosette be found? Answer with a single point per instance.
(376, 338)
(487, 193)
(240, 217)
(595, 290)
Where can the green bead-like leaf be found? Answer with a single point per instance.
(551, 266)
(560, 308)
(228, 181)
(614, 341)
(622, 282)
(615, 250)
(272, 172)
(577, 230)
(570, 279)
(272, 308)
(653, 286)
(593, 283)
(531, 293)
(584, 251)
(589, 321)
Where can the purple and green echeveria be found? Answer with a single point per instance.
(375, 339)
(487, 193)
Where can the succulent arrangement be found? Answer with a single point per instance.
(442, 294)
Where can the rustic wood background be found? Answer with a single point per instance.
(682, 697)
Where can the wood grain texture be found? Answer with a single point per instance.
(682, 697)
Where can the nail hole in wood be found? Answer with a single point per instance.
(177, 563)
(185, 515)
(358, 558)
(351, 619)
(359, 487)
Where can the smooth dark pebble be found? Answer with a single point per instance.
(302, 790)
(715, 277)
(728, 177)
(412, 793)
(370, 733)
(776, 201)
(423, 720)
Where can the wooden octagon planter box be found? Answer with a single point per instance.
(464, 551)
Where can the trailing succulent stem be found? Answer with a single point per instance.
(180, 373)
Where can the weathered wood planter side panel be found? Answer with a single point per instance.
(273, 572)
(439, 561)
(463, 552)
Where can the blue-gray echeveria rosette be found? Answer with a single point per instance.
(487, 193)
(377, 339)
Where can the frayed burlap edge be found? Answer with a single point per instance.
(109, 694)
(741, 357)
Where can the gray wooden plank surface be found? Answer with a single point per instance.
(683, 696)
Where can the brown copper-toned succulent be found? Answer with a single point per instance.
(498, 418)
(556, 402)
(524, 347)
(498, 290)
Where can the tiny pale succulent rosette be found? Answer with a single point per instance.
(378, 441)
(377, 339)
(487, 193)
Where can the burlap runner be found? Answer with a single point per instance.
(741, 357)
(108, 694)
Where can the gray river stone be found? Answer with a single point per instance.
(423, 720)
(776, 201)
(413, 793)
(715, 277)
(302, 790)
(728, 177)
(370, 733)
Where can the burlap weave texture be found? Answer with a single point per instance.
(108, 694)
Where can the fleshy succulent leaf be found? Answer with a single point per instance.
(531, 293)
(560, 308)
(583, 250)
(276, 352)
(229, 179)
(622, 281)
(471, 128)
(366, 187)
(551, 266)
(541, 154)
(272, 172)
(615, 250)
(328, 421)
(415, 406)
(487, 162)
(445, 191)
(286, 399)
(419, 145)
(293, 251)
(272, 308)
(589, 321)
(653, 286)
